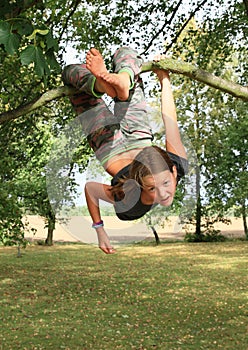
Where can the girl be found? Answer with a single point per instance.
(143, 175)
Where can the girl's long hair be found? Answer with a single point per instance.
(151, 160)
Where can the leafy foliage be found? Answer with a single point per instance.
(28, 38)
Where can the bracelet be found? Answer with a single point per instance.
(97, 224)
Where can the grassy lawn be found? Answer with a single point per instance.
(174, 296)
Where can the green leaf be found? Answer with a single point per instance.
(23, 27)
(10, 40)
(33, 54)
(4, 31)
(51, 59)
(51, 42)
(41, 67)
(28, 55)
(12, 44)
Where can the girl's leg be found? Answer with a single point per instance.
(97, 121)
(128, 60)
(132, 114)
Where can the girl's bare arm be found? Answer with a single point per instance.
(173, 139)
(94, 191)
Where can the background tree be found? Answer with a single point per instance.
(226, 181)
(202, 121)
(211, 112)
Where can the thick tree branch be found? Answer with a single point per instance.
(200, 75)
(37, 103)
(172, 65)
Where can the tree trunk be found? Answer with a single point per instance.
(49, 239)
(198, 220)
(198, 206)
(51, 227)
(244, 219)
(156, 235)
(198, 177)
(19, 255)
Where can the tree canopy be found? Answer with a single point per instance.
(34, 35)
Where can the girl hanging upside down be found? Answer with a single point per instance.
(144, 175)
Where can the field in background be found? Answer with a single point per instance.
(79, 229)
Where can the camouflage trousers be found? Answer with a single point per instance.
(111, 133)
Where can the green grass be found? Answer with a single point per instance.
(174, 296)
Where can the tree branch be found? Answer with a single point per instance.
(192, 14)
(246, 6)
(41, 101)
(167, 22)
(172, 65)
(71, 13)
(200, 75)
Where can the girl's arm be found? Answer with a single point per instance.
(173, 139)
(94, 191)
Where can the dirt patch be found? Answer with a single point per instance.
(78, 229)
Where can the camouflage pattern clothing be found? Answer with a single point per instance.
(108, 133)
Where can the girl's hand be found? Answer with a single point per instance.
(161, 73)
(159, 57)
(103, 241)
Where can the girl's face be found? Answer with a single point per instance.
(160, 188)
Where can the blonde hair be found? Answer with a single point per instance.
(151, 160)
